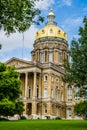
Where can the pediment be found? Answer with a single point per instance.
(17, 62)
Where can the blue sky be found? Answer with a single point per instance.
(69, 16)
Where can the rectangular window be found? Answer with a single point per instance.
(69, 112)
(50, 45)
(42, 57)
(69, 93)
(45, 108)
(77, 95)
(50, 56)
(45, 92)
(59, 57)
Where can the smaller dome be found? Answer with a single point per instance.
(51, 12)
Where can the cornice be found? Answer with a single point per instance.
(50, 38)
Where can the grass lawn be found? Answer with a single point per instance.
(43, 125)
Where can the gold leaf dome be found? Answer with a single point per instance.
(51, 29)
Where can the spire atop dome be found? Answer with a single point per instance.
(51, 16)
(51, 10)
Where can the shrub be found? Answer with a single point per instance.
(4, 119)
(22, 118)
(58, 118)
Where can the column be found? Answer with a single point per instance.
(26, 84)
(40, 86)
(25, 108)
(35, 84)
(49, 85)
(49, 108)
(34, 108)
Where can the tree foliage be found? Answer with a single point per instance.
(19, 107)
(9, 83)
(7, 108)
(76, 69)
(18, 15)
(81, 109)
(9, 91)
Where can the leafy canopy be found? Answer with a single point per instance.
(10, 91)
(18, 15)
(76, 69)
(9, 83)
(81, 108)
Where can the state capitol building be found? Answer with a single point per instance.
(44, 94)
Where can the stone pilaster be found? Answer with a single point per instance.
(25, 108)
(35, 84)
(40, 86)
(26, 84)
(49, 85)
(34, 108)
(49, 108)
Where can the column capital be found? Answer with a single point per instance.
(26, 73)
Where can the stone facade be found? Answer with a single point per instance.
(43, 91)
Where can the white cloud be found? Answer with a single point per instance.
(64, 3)
(71, 23)
(44, 4)
(67, 2)
(16, 40)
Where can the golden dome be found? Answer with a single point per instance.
(51, 29)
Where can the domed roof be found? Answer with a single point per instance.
(51, 29)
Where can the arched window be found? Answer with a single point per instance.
(69, 112)
(77, 94)
(45, 78)
(69, 93)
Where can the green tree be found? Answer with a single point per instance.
(18, 15)
(9, 83)
(81, 109)
(7, 108)
(19, 107)
(76, 69)
(9, 91)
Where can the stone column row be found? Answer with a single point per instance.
(34, 85)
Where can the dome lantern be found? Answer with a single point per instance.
(51, 16)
